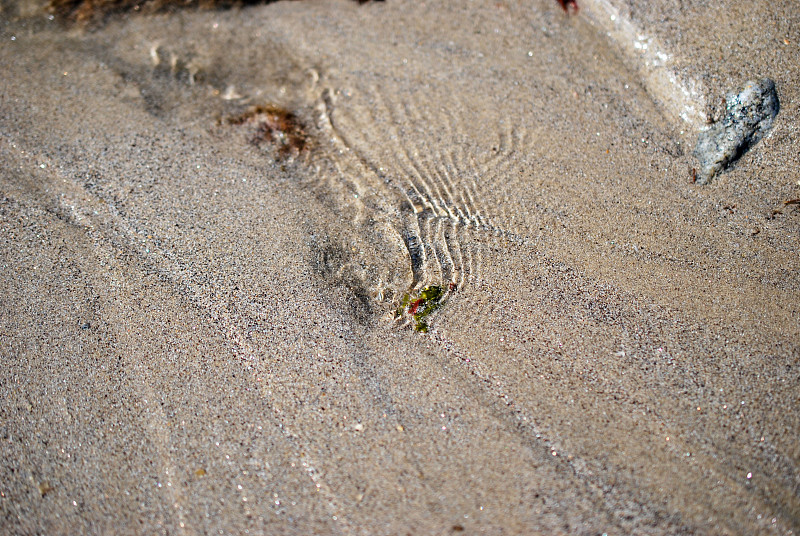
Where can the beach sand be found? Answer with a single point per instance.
(207, 314)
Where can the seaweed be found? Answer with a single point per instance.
(276, 126)
(95, 11)
(570, 6)
(423, 305)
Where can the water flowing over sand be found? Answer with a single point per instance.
(217, 228)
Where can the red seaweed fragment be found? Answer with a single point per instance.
(412, 310)
(570, 6)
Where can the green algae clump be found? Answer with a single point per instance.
(419, 308)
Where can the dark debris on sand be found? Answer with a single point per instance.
(93, 11)
(275, 126)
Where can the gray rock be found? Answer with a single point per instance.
(748, 117)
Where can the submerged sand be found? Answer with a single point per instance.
(198, 330)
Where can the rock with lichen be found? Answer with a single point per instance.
(748, 117)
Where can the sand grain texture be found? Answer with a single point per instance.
(198, 332)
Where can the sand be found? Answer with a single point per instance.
(199, 325)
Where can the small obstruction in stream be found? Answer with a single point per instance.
(421, 306)
(275, 126)
(748, 117)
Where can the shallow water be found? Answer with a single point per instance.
(201, 330)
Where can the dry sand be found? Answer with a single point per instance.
(197, 333)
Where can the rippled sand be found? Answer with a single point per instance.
(202, 326)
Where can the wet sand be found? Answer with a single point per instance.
(202, 327)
